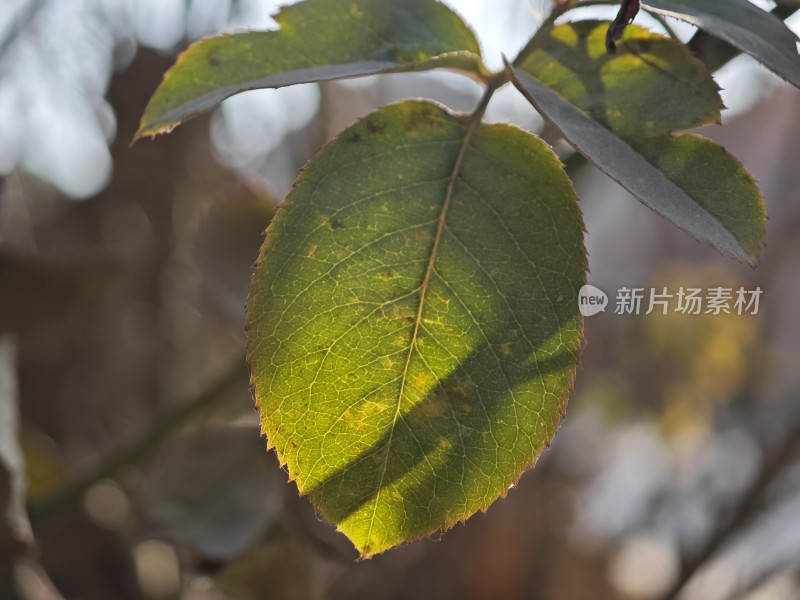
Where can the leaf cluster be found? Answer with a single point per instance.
(413, 318)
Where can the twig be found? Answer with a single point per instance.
(748, 506)
(33, 583)
(147, 441)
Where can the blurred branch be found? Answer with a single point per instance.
(33, 583)
(788, 568)
(749, 506)
(148, 441)
(21, 24)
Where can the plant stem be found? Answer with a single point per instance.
(748, 506)
(493, 83)
(141, 447)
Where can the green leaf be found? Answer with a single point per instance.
(318, 40)
(413, 320)
(213, 490)
(619, 111)
(743, 25)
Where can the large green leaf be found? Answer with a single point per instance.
(619, 111)
(317, 40)
(743, 25)
(413, 320)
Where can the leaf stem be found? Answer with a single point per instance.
(493, 83)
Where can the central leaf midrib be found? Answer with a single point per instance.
(474, 121)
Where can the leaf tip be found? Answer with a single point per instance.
(753, 258)
(151, 131)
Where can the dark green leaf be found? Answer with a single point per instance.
(214, 490)
(619, 111)
(743, 25)
(414, 326)
(318, 40)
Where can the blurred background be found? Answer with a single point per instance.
(126, 423)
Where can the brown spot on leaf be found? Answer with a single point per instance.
(421, 119)
(375, 127)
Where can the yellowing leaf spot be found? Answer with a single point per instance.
(566, 35)
(423, 380)
(367, 411)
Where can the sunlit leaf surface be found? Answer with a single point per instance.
(413, 320)
(317, 40)
(619, 111)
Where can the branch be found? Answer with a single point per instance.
(748, 506)
(140, 448)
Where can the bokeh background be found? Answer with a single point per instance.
(123, 275)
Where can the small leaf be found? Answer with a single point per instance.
(318, 40)
(413, 320)
(743, 25)
(214, 491)
(619, 111)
